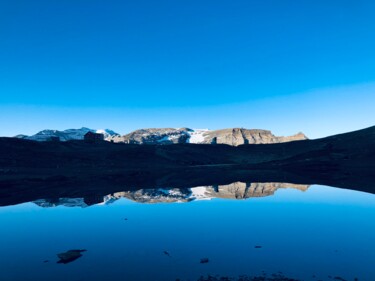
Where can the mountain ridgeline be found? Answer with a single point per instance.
(67, 135)
(68, 169)
(232, 136)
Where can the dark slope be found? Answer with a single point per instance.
(349, 149)
(29, 169)
(95, 187)
(357, 147)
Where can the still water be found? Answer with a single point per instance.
(302, 232)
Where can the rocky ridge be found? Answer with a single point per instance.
(233, 136)
(66, 135)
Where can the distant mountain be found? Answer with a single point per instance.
(31, 170)
(108, 134)
(66, 135)
(21, 136)
(233, 136)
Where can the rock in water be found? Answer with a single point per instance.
(69, 256)
(167, 253)
(204, 260)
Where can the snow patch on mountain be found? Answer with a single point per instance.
(197, 135)
(163, 136)
(107, 133)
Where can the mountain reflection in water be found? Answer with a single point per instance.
(236, 190)
(239, 231)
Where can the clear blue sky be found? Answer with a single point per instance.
(287, 66)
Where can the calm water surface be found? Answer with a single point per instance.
(306, 233)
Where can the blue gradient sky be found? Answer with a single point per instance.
(287, 66)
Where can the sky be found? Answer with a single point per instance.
(285, 66)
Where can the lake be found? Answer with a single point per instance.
(269, 231)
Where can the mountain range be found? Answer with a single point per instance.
(231, 136)
(30, 170)
(66, 135)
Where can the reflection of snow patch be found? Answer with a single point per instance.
(175, 192)
(197, 135)
(67, 202)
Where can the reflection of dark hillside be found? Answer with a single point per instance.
(236, 191)
(94, 189)
(31, 170)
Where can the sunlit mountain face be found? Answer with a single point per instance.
(230, 136)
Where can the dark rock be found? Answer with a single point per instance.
(204, 260)
(70, 256)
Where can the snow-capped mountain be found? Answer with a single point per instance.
(69, 134)
(155, 136)
(107, 133)
(232, 136)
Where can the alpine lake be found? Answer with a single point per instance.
(238, 231)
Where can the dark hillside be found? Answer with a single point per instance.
(76, 167)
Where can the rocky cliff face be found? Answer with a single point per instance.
(238, 136)
(155, 136)
(235, 136)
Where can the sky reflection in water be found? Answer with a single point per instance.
(323, 231)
